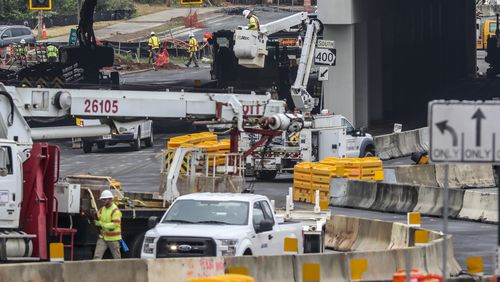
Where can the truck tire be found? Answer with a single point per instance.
(248, 252)
(87, 147)
(136, 145)
(136, 245)
(266, 174)
(149, 141)
(368, 154)
(101, 145)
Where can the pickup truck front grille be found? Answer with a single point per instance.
(174, 247)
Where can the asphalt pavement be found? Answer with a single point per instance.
(139, 171)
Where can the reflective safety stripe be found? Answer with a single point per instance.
(111, 233)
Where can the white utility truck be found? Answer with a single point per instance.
(226, 224)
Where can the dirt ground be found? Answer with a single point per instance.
(124, 64)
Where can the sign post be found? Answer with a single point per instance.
(464, 132)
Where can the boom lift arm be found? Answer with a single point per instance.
(250, 49)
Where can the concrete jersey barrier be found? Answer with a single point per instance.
(401, 198)
(460, 175)
(391, 241)
(396, 145)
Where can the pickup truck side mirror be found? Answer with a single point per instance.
(265, 225)
(152, 221)
(4, 161)
(362, 131)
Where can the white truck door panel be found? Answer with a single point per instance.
(262, 244)
(330, 143)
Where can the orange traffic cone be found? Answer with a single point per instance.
(44, 32)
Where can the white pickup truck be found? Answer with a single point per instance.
(220, 224)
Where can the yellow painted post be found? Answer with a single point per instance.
(413, 219)
(475, 265)
(311, 272)
(421, 237)
(358, 267)
(56, 251)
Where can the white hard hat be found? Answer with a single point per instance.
(191, 34)
(106, 194)
(23, 41)
(246, 13)
(153, 33)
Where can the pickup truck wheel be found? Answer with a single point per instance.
(136, 145)
(266, 174)
(149, 141)
(247, 252)
(87, 147)
(101, 145)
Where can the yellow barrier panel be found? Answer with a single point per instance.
(56, 251)
(224, 278)
(475, 265)
(358, 267)
(324, 204)
(238, 270)
(413, 219)
(421, 237)
(291, 245)
(311, 272)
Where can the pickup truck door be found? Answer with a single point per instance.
(351, 142)
(263, 241)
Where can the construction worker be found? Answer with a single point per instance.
(192, 48)
(52, 53)
(109, 221)
(253, 21)
(154, 46)
(21, 52)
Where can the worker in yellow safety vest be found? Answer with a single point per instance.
(253, 21)
(154, 46)
(52, 53)
(109, 221)
(192, 48)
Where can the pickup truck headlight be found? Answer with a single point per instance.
(228, 246)
(149, 245)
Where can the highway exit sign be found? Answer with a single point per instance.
(464, 132)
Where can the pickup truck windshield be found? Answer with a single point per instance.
(208, 212)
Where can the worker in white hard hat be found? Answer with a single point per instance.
(109, 221)
(154, 46)
(192, 49)
(21, 52)
(253, 21)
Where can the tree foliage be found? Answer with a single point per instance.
(11, 10)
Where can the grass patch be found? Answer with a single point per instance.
(146, 9)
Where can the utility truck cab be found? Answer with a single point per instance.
(220, 224)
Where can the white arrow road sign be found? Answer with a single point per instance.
(464, 131)
(323, 73)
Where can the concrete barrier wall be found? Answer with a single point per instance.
(395, 198)
(341, 233)
(460, 175)
(466, 175)
(400, 198)
(265, 268)
(402, 144)
(373, 235)
(357, 194)
(368, 235)
(479, 206)
(430, 201)
(40, 272)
